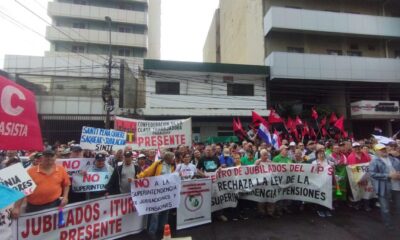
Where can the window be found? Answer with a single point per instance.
(354, 53)
(78, 49)
(79, 25)
(124, 29)
(397, 54)
(195, 129)
(169, 88)
(235, 89)
(225, 132)
(126, 52)
(295, 50)
(334, 52)
(353, 46)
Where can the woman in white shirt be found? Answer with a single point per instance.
(186, 169)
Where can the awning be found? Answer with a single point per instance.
(226, 139)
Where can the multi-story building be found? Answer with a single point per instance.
(68, 80)
(338, 55)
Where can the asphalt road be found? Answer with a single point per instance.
(346, 223)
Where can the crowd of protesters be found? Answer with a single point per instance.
(53, 182)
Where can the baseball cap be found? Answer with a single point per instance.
(142, 156)
(48, 152)
(356, 144)
(379, 146)
(76, 148)
(292, 144)
(100, 156)
(128, 154)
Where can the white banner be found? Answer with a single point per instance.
(99, 139)
(104, 218)
(156, 194)
(273, 182)
(6, 223)
(16, 177)
(143, 134)
(360, 182)
(90, 182)
(195, 205)
(75, 165)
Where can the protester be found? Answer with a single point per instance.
(142, 163)
(159, 167)
(52, 184)
(122, 176)
(209, 162)
(322, 161)
(76, 151)
(337, 156)
(99, 165)
(357, 156)
(225, 159)
(282, 157)
(298, 156)
(186, 169)
(196, 157)
(292, 148)
(385, 174)
(248, 159)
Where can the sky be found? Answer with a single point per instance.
(184, 28)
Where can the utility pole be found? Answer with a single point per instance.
(106, 94)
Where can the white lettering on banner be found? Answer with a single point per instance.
(143, 134)
(156, 194)
(75, 165)
(99, 139)
(16, 177)
(195, 205)
(5, 223)
(13, 129)
(104, 218)
(360, 182)
(6, 99)
(90, 182)
(273, 182)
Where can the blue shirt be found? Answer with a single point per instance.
(228, 161)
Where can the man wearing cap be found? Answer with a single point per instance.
(282, 157)
(99, 165)
(337, 156)
(121, 178)
(292, 148)
(52, 184)
(357, 156)
(142, 163)
(385, 175)
(76, 151)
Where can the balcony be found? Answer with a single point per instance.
(334, 68)
(96, 37)
(301, 20)
(57, 9)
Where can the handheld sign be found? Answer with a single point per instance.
(19, 124)
(90, 182)
(99, 139)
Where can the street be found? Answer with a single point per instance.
(346, 223)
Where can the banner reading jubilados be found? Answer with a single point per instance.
(141, 134)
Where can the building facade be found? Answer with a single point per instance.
(210, 93)
(69, 79)
(321, 53)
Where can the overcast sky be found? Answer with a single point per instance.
(184, 27)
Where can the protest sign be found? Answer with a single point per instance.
(99, 139)
(14, 180)
(19, 124)
(195, 205)
(6, 223)
(90, 182)
(143, 134)
(273, 182)
(156, 194)
(220, 201)
(360, 182)
(104, 218)
(75, 165)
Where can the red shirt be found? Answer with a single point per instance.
(354, 159)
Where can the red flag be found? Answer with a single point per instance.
(289, 123)
(274, 117)
(345, 134)
(238, 129)
(339, 124)
(19, 123)
(313, 135)
(298, 121)
(314, 113)
(257, 120)
(333, 118)
(324, 132)
(306, 130)
(323, 123)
